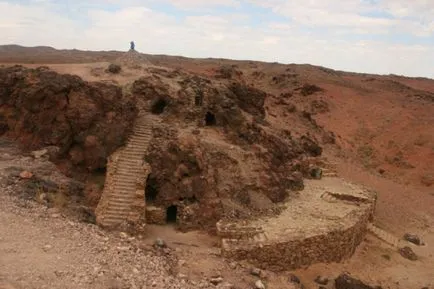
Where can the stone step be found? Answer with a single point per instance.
(125, 184)
(124, 172)
(133, 164)
(139, 141)
(122, 194)
(125, 193)
(383, 235)
(130, 188)
(120, 201)
(110, 221)
(141, 136)
(118, 211)
(145, 129)
(126, 177)
(143, 132)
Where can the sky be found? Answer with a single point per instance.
(371, 36)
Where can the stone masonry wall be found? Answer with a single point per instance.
(280, 255)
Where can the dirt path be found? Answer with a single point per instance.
(41, 249)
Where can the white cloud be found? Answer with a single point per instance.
(229, 35)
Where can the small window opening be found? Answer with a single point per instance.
(172, 214)
(151, 190)
(210, 119)
(159, 106)
(191, 200)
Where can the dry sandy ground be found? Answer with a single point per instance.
(44, 248)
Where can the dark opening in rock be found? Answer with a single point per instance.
(151, 190)
(158, 106)
(210, 119)
(100, 171)
(171, 214)
(191, 200)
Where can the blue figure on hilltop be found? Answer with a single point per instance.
(132, 45)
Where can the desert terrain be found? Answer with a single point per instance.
(377, 130)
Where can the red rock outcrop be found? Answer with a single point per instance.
(87, 121)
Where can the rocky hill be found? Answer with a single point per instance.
(234, 141)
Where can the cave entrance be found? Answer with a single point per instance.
(172, 214)
(151, 190)
(210, 119)
(158, 106)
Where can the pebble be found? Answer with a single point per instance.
(255, 272)
(26, 175)
(47, 248)
(160, 243)
(321, 280)
(216, 281)
(259, 285)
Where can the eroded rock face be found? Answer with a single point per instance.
(87, 121)
(214, 157)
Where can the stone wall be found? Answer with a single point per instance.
(155, 215)
(292, 253)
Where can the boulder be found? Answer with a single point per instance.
(413, 239)
(408, 253)
(345, 281)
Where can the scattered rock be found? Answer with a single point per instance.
(309, 89)
(226, 285)
(408, 253)
(159, 243)
(321, 280)
(413, 239)
(123, 248)
(114, 68)
(293, 279)
(40, 154)
(255, 272)
(215, 281)
(86, 214)
(259, 285)
(233, 265)
(26, 175)
(182, 276)
(47, 248)
(41, 198)
(345, 281)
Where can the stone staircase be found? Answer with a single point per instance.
(123, 196)
(329, 173)
(239, 237)
(328, 168)
(383, 235)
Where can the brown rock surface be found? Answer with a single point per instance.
(87, 121)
